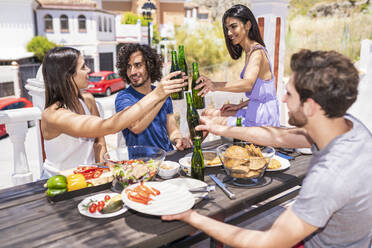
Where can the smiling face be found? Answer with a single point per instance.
(81, 75)
(237, 31)
(292, 98)
(136, 70)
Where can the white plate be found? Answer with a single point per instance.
(214, 165)
(172, 199)
(98, 197)
(283, 162)
(189, 183)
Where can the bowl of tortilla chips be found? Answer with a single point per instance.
(245, 161)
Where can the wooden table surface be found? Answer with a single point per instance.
(29, 220)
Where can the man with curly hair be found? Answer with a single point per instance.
(140, 66)
(334, 206)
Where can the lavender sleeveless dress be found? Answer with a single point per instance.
(263, 107)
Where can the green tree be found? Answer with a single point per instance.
(40, 45)
(204, 43)
(130, 18)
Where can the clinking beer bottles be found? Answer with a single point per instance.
(182, 64)
(198, 100)
(197, 160)
(192, 117)
(176, 95)
(238, 124)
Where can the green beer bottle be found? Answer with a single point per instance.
(198, 100)
(197, 160)
(192, 117)
(182, 64)
(176, 95)
(238, 124)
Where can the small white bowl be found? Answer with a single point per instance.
(168, 169)
(185, 163)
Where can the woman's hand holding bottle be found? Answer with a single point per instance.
(206, 84)
(230, 107)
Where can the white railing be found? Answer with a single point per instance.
(16, 125)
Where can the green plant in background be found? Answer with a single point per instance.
(131, 18)
(155, 35)
(204, 43)
(327, 33)
(40, 45)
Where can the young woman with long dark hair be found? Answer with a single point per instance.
(72, 129)
(256, 80)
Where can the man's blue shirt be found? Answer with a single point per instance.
(156, 133)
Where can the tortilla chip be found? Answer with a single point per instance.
(274, 164)
(256, 163)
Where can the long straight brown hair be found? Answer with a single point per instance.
(59, 66)
(244, 14)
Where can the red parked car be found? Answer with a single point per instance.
(12, 103)
(104, 83)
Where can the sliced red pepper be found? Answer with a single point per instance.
(146, 189)
(157, 192)
(137, 199)
(143, 193)
(88, 175)
(97, 173)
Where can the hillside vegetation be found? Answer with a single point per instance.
(309, 26)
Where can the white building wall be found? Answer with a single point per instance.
(90, 43)
(73, 36)
(16, 28)
(106, 36)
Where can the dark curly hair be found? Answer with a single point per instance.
(244, 14)
(152, 61)
(327, 77)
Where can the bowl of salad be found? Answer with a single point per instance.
(133, 164)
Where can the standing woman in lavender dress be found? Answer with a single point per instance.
(256, 80)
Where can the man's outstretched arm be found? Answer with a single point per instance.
(266, 136)
(287, 230)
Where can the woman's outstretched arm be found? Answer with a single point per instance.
(240, 85)
(59, 120)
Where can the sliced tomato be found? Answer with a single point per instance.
(92, 208)
(100, 208)
(101, 203)
(107, 197)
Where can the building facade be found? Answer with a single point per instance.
(82, 26)
(17, 27)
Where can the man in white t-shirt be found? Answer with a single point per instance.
(334, 206)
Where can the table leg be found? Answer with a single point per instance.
(215, 243)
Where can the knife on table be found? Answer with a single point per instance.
(284, 155)
(222, 186)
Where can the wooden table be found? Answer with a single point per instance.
(29, 220)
